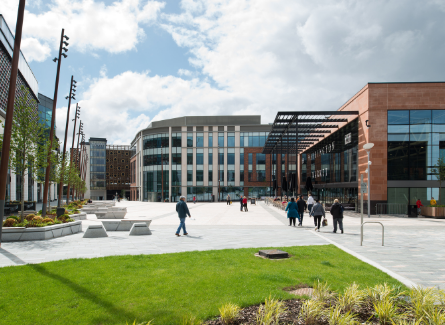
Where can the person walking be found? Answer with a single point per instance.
(245, 204)
(317, 212)
(337, 215)
(241, 203)
(301, 207)
(419, 204)
(310, 204)
(292, 212)
(183, 212)
(194, 199)
(228, 199)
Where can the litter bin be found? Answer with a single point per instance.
(412, 211)
(60, 211)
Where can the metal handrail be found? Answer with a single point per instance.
(383, 232)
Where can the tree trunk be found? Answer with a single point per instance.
(49, 198)
(440, 190)
(22, 199)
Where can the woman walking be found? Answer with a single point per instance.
(317, 212)
(292, 212)
(245, 204)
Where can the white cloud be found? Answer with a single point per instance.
(33, 50)
(90, 25)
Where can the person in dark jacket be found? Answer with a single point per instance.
(301, 207)
(183, 212)
(292, 211)
(241, 203)
(337, 215)
(317, 212)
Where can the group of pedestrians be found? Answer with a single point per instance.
(295, 210)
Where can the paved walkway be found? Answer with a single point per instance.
(413, 247)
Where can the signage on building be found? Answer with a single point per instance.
(348, 138)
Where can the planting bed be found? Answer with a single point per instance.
(40, 233)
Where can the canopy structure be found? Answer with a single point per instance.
(302, 128)
(293, 133)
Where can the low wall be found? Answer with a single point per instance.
(40, 233)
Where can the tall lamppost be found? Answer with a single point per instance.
(71, 96)
(162, 176)
(368, 148)
(10, 112)
(53, 117)
(76, 117)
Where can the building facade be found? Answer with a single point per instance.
(406, 124)
(207, 157)
(118, 171)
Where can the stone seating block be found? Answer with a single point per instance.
(95, 231)
(101, 215)
(140, 229)
(122, 225)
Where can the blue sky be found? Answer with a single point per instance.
(137, 60)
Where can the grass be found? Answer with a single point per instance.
(166, 288)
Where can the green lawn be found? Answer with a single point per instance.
(166, 287)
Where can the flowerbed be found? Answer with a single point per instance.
(32, 220)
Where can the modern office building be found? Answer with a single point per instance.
(108, 170)
(406, 124)
(25, 78)
(208, 157)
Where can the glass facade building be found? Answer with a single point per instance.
(98, 167)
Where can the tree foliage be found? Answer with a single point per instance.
(439, 172)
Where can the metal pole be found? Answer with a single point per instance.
(59, 201)
(77, 148)
(72, 147)
(162, 177)
(10, 112)
(51, 133)
(361, 210)
(369, 188)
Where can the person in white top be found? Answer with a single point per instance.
(310, 204)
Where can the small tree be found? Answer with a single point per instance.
(26, 135)
(439, 172)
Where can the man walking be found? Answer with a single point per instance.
(301, 207)
(337, 215)
(241, 203)
(310, 204)
(183, 211)
(228, 199)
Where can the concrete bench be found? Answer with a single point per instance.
(140, 229)
(95, 231)
(122, 225)
(111, 213)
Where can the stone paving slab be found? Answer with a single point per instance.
(413, 247)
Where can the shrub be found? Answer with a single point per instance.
(335, 317)
(386, 310)
(382, 292)
(351, 299)
(29, 217)
(10, 222)
(422, 301)
(322, 292)
(37, 219)
(14, 217)
(143, 323)
(48, 220)
(190, 320)
(311, 311)
(229, 313)
(270, 312)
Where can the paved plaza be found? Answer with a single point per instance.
(413, 250)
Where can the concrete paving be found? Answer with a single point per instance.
(413, 247)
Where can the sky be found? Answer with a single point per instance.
(137, 61)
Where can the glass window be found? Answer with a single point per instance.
(200, 140)
(438, 116)
(260, 159)
(210, 139)
(398, 128)
(221, 139)
(176, 177)
(420, 117)
(261, 175)
(189, 139)
(176, 140)
(241, 139)
(241, 156)
(398, 117)
(189, 175)
(210, 157)
(231, 158)
(200, 176)
(189, 158)
(199, 158)
(210, 176)
(241, 176)
(250, 159)
(230, 139)
(221, 157)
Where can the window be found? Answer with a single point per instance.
(260, 159)
(189, 139)
(210, 139)
(176, 177)
(230, 156)
(241, 156)
(200, 140)
(221, 157)
(221, 139)
(210, 177)
(199, 176)
(200, 158)
(241, 177)
(176, 159)
(230, 139)
(176, 140)
(261, 175)
(189, 175)
(189, 157)
(250, 159)
(210, 156)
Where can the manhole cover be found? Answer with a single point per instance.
(302, 292)
(273, 254)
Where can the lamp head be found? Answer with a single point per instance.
(368, 146)
(55, 59)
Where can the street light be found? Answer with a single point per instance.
(368, 148)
